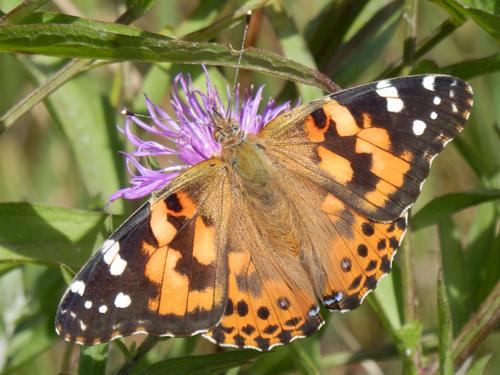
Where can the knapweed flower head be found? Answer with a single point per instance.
(187, 137)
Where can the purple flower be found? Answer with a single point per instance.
(188, 138)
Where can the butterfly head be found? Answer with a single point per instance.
(227, 131)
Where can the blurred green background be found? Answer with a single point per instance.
(59, 164)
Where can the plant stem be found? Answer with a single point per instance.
(482, 323)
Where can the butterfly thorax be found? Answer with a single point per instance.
(254, 176)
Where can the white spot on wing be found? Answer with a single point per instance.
(78, 287)
(82, 325)
(385, 90)
(419, 127)
(394, 105)
(388, 92)
(434, 115)
(454, 107)
(428, 82)
(382, 84)
(103, 309)
(452, 94)
(117, 266)
(88, 304)
(110, 248)
(122, 300)
(437, 100)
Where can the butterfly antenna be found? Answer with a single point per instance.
(248, 17)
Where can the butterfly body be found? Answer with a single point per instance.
(242, 246)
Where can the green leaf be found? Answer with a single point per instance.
(456, 274)
(53, 18)
(478, 366)
(83, 42)
(202, 364)
(445, 329)
(449, 204)
(21, 12)
(48, 235)
(89, 125)
(487, 21)
(93, 360)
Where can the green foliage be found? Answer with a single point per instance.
(64, 79)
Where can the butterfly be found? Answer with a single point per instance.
(243, 247)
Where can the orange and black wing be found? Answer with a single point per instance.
(372, 146)
(270, 299)
(163, 272)
(358, 159)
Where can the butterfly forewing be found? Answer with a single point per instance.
(163, 272)
(372, 145)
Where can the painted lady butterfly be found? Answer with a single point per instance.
(242, 246)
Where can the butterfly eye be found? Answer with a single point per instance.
(218, 136)
(235, 127)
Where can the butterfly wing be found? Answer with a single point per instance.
(270, 298)
(372, 146)
(163, 272)
(352, 164)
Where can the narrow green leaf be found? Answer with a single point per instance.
(449, 204)
(445, 329)
(54, 18)
(93, 360)
(455, 272)
(472, 68)
(67, 273)
(487, 21)
(22, 11)
(202, 364)
(363, 35)
(82, 42)
(355, 65)
(482, 255)
(47, 235)
(478, 366)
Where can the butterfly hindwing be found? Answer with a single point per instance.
(271, 300)
(163, 272)
(372, 145)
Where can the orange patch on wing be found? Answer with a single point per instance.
(188, 207)
(175, 287)
(156, 265)
(203, 299)
(314, 133)
(344, 120)
(336, 166)
(204, 247)
(376, 136)
(162, 229)
(385, 165)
